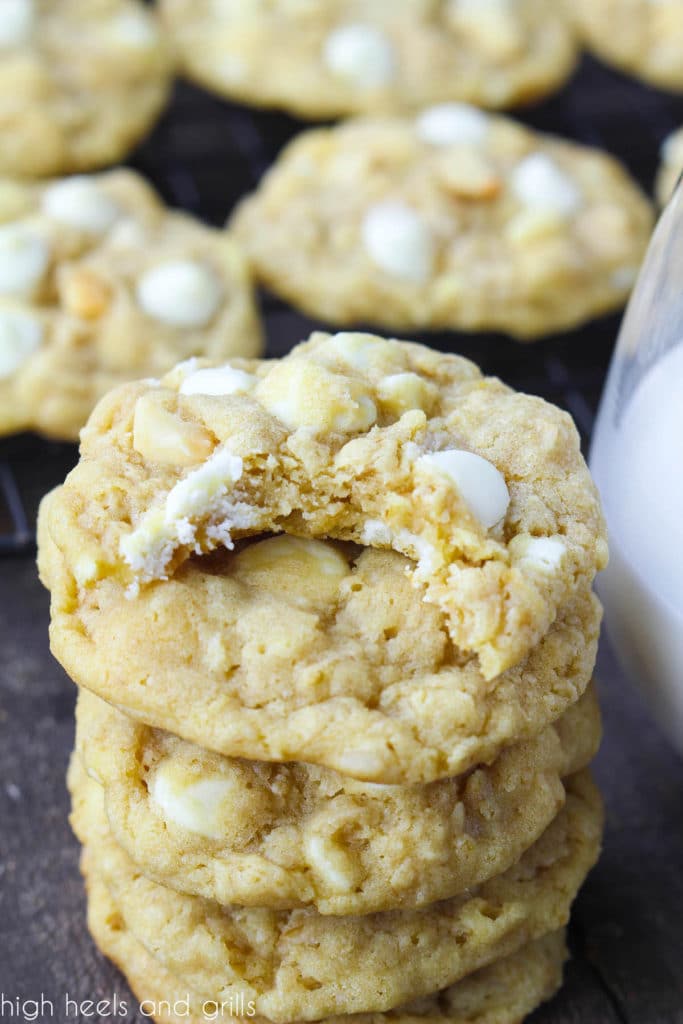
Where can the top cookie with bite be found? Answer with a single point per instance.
(350, 437)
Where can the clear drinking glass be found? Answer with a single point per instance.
(637, 461)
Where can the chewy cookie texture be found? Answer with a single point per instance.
(453, 218)
(299, 965)
(503, 993)
(339, 608)
(81, 81)
(469, 519)
(332, 58)
(289, 835)
(101, 283)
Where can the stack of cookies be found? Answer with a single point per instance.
(333, 623)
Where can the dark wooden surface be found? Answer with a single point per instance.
(627, 931)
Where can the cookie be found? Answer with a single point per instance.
(100, 283)
(641, 37)
(282, 836)
(455, 219)
(298, 965)
(503, 993)
(340, 57)
(254, 676)
(385, 444)
(670, 168)
(82, 82)
(337, 654)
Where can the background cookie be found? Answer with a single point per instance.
(338, 57)
(299, 965)
(290, 835)
(81, 82)
(642, 37)
(100, 283)
(502, 993)
(454, 219)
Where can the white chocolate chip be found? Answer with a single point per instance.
(375, 534)
(182, 293)
(303, 394)
(354, 349)
(400, 392)
(194, 495)
(361, 54)
(481, 486)
(20, 335)
(230, 68)
(127, 233)
(399, 241)
(360, 763)
(160, 436)
(86, 570)
(450, 124)
(332, 863)
(217, 380)
(543, 553)
(17, 18)
(305, 570)
(24, 257)
(537, 181)
(624, 278)
(197, 805)
(183, 369)
(420, 550)
(79, 203)
(202, 494)
(317, 555)
(671, 150)
(134, 29)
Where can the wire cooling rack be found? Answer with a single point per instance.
(205, 154)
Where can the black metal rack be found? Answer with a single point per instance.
(205, 154)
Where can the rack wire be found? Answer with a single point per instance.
(206, 154)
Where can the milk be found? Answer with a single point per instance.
(637, 461)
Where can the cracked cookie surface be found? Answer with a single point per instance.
(454, 219)
(473, 525)
(298, 965)
(81, 81)
(281, 836)
(385, 444)
(100, 283)
(340, 680)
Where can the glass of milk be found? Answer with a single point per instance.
(637, 461)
